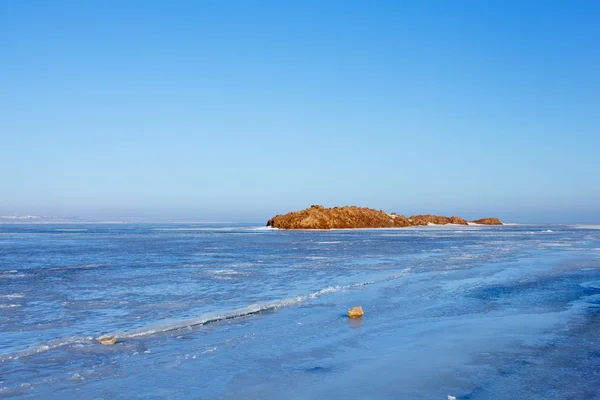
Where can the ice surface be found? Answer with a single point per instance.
(473, 312)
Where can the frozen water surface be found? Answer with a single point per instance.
(236, 312)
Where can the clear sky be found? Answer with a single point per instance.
(238, 110)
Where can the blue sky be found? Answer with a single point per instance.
(238, 110)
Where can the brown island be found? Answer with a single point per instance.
(319, 217)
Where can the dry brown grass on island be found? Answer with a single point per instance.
(319, 217)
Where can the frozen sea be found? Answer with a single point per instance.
(233, 311)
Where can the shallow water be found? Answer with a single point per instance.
(238, 311)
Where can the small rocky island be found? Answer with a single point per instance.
(319, 217)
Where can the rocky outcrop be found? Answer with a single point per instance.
(488, 221)
(319, 217)
(418, 220)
